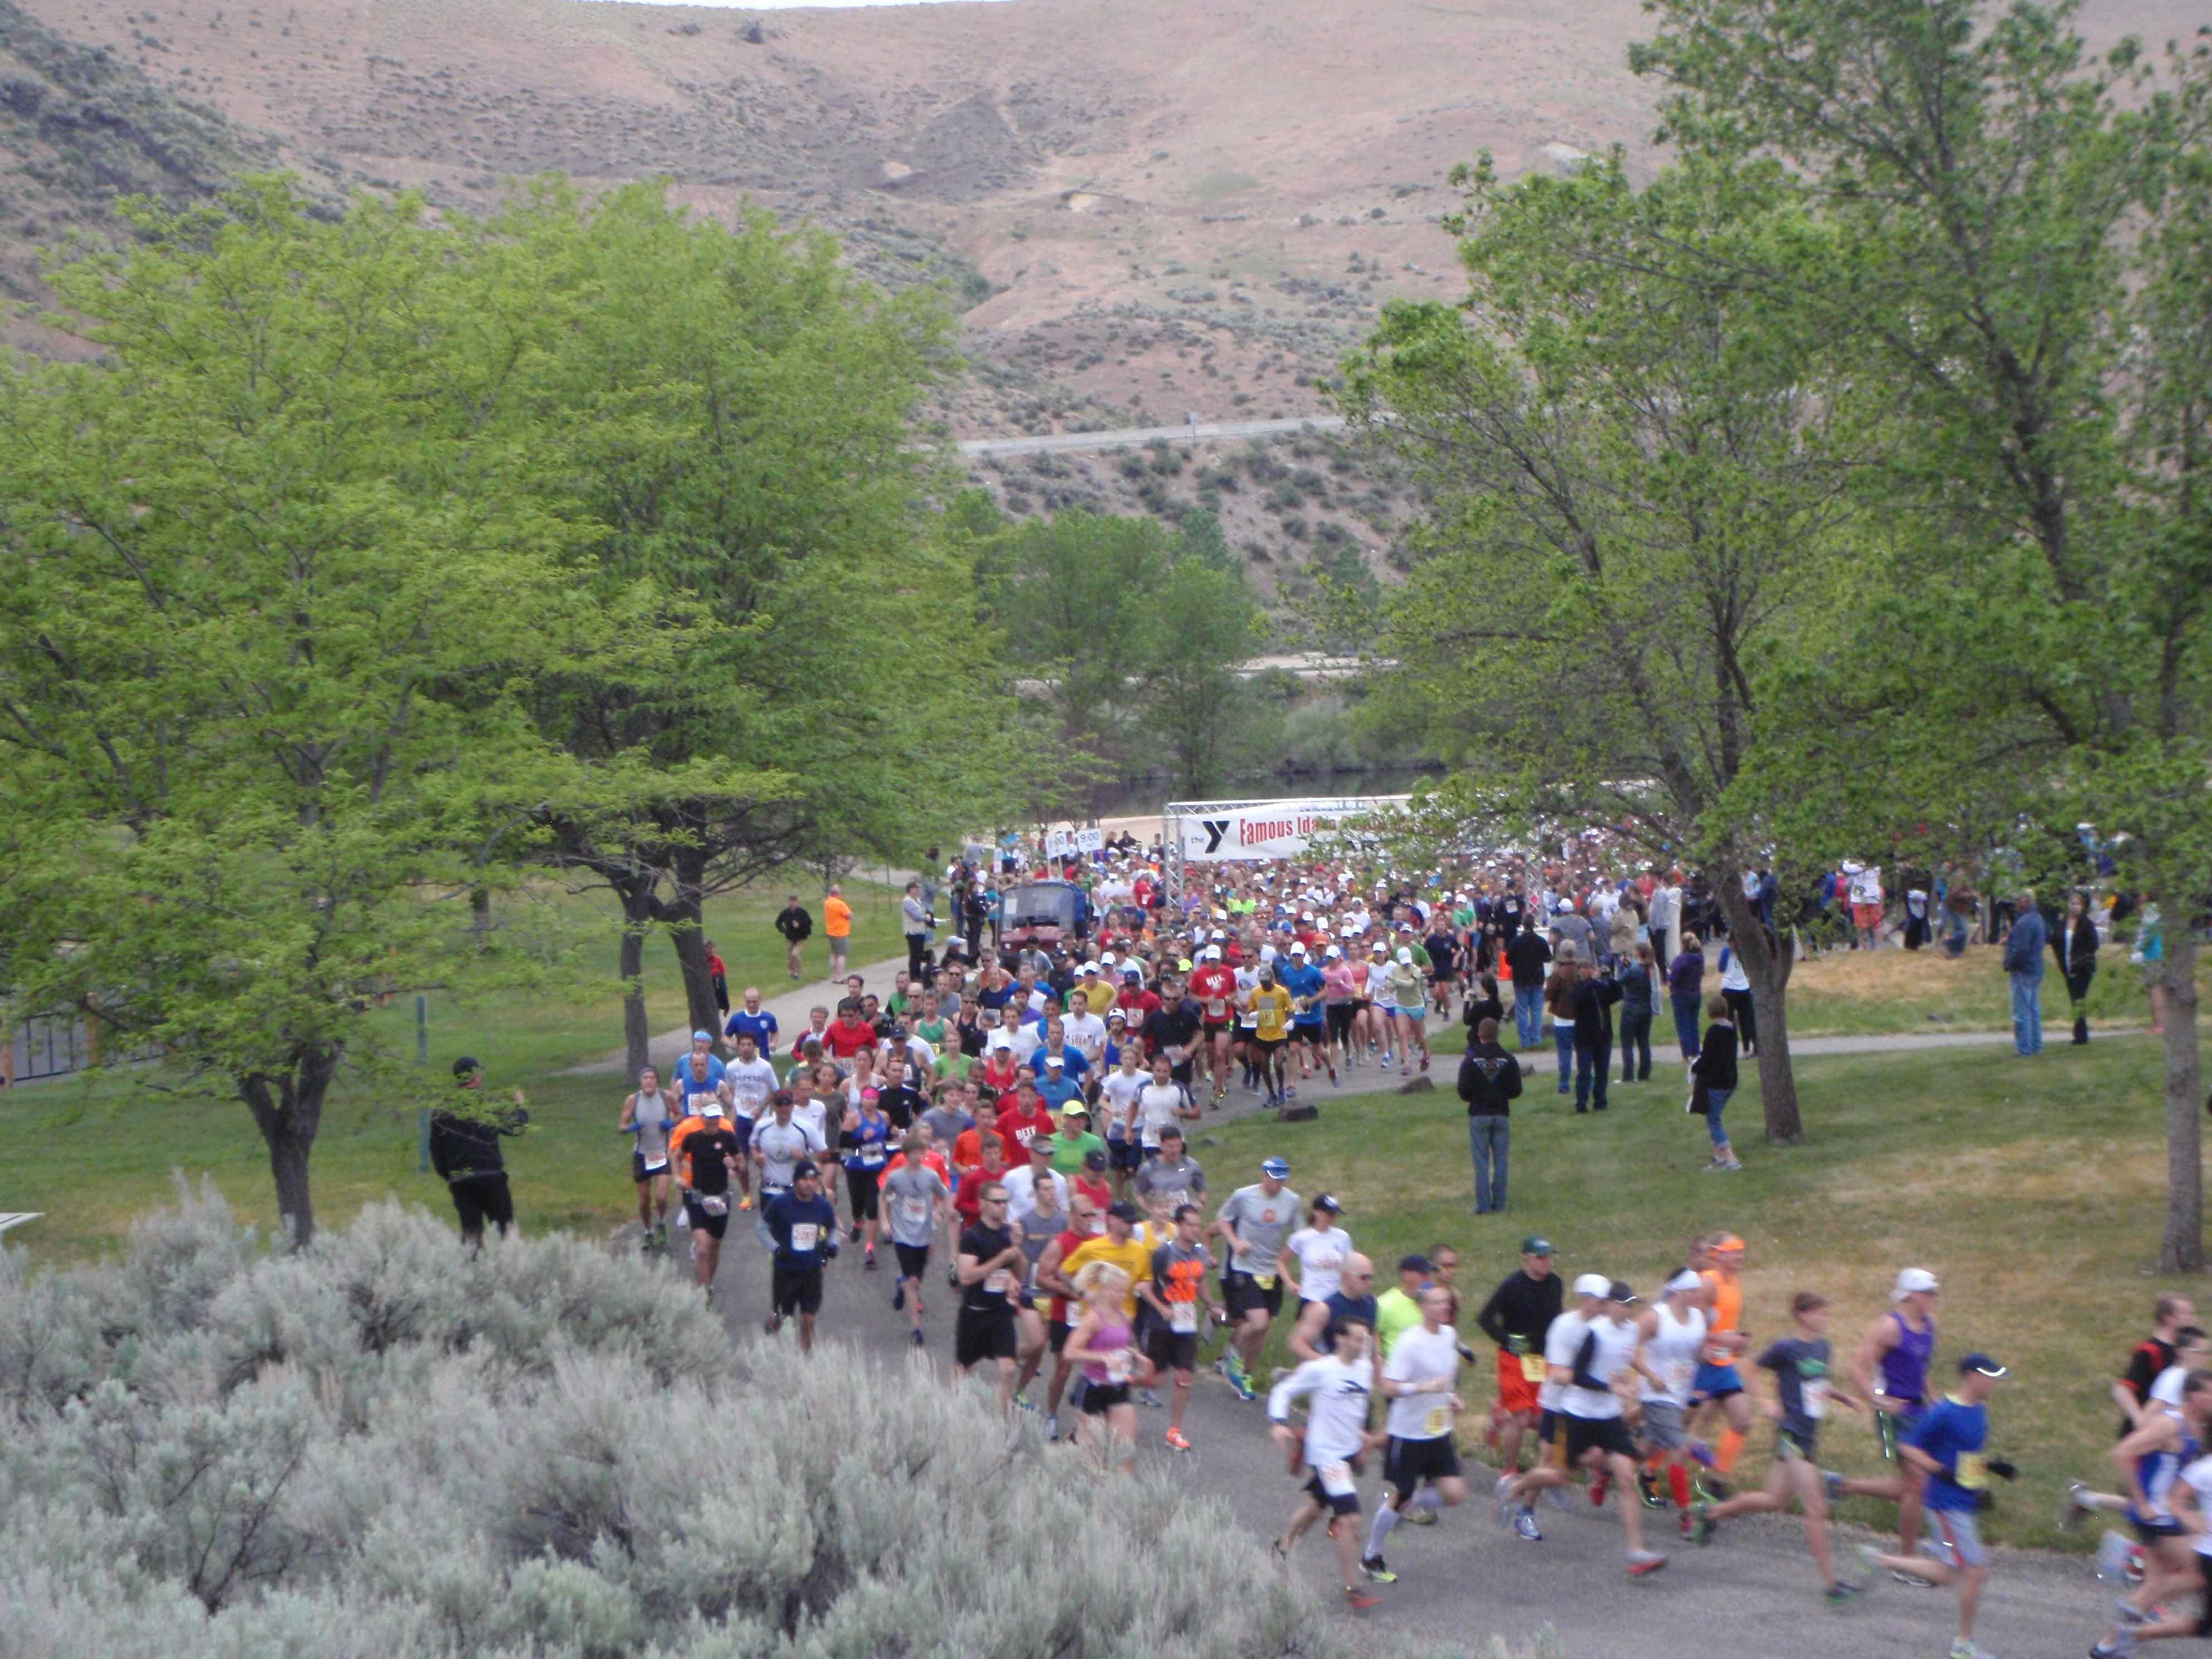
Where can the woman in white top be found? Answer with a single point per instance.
(1321, 1249)
(1736, 986)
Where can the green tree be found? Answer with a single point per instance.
(1203, 623)
(1640, 497)
(2021, 233)
(275, 574)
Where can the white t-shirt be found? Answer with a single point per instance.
(1087, 1032)
(2165, 1387)
(1866, 885)
(1120, 1090)
(780, 1146)
(814, 1114)
(1420, 1356)
(1616, 1344)
(1320, 1252)
(1021, 1190)
(1155, 1109)
(1672, 1351)
(1338, 1399)
(2199, 1474)
(751, 1082)
(1561, 1343)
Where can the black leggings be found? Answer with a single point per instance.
(1635, 1045)
(480, 1199)
(860, 1188)
(1340, 1022)
(1739, 1004)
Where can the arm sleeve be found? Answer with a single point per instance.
(1299, 1384)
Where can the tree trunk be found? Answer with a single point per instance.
(687, 913)
(480, 917)
(638, 912)
(1766, 963)
(2181, 1250)
(287, 1109)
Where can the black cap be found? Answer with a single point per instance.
(804, 1167)
(1125, 1211)
(465, 1066)
(1094, 1160)
(1415, 1264)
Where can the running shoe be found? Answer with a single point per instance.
(1332, 1078)
(1178, 1441)
(1024, 1401)
(1375, 1567)
(1146, 1397)
(1524, 1526)
(1839, 1593)
(1642, 1563)
(772, 1323)
(1702, 1524)
(919, 1341)
(1598, 1489)
(1963, 1648)
(746, 1202)
(869, 1262)
(2117, 1650)
(1052, 1432)
(2072, 1511)
(1359, 1600)
(1647, 1488)
(2127, 1613)
(854, 1237)
(1687, 1525)
(898, 1298)
(1417, 1514)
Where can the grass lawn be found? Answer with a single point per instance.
(2033, 1190)
(92, 1154)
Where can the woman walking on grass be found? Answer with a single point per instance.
(1712, 1080)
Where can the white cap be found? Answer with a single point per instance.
(1333, 952)
(1214, 953)
(1297, 949)
(1687, 1280)
(1596, 1285)
(1406, 956)
(1106, 959)
(1911, 1282)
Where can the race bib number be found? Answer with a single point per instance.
(1118, 1365)
(1715, 1355)
(1216, 1008)
(1436, 1422)
(1265, 1281)
(1000, 1283)
(1974, 1472)
(1182, 1317)
(1336, 1479)
(803, 1235)
(704, 1105)
(1532, 1368)
(872, 1155)
(1816, 1399)
(655, 1165)
(1678, 1375)
(914, 1211)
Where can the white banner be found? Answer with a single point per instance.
(1063, 843)
(1274, 830)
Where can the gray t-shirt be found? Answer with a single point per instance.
(947, 1125)
(654, 1123)
(1264, 1225)
(780, 1146)
(909, 1195)
(1182, 1181)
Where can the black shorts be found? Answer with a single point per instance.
(1339, 1016)
(912, 1260)
(1347, 1504)
(1267, 1046)
(1216, 1027)
(1127, 1155)
(2151, 1531)
(1172, 1350)
(1315, 1031)
(1185, 1071)
(641, 1174)
(982, 1336)
(1796, 1442)
(1056, 1338)
(1552, 1438)
(713, 1225)
(863, 1195)
(794, 1292)
(1407, 1463)
(1243, 1293)
(1589, 1434)
(1099, 1398)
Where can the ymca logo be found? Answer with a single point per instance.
(1215, 829)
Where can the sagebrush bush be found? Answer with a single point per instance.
(385, 1448)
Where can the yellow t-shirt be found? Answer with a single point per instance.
(1098, 997)
(1134, 1258)
(1271, 1003)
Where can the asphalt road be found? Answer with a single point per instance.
(1131, 437)
(1752, 1593)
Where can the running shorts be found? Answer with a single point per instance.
(1795, 1442)
(1346, 1504)
(1407, 1463)
(638, 1169)
(2151, 1531)
(1125, 1155)
(1953, 1538)
(1589, 1434)
(1309, 1030)
(862, 1192)
(1268, 1047)
(982, 1336)
(1714, 1382)
(714, 1226)
(1172, 1350)
(1891, 1427)
(1056, 1337)
(1099, 1398)
(1516, 1392)
(796, 1292)
(1552, 1436)
(1243, 1293)
(1662, 1426)
(912, 1260)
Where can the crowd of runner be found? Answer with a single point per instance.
(1015, 1117)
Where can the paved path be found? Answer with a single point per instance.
(789, 1006)
(1751, 1594)
(1134, 436)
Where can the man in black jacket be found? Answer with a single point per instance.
(796, 923)
(1516, 1318)
(1527, 957)
(1594, 996)
(465, 1151)
(1489, 1082)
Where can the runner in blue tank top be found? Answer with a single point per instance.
(2169, 1439)
(1891, 1369)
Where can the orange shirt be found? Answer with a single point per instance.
(836, 917)
(1727, 1310)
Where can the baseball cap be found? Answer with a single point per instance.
(1042, 1143)
(701, 1036)
(1075, 1109)
(1535, 1244)
(1333, 953)
(804, 1167)
(1415, 1263)
(1912, 1281)
(1115, 1014)
(1297, 949)
(1619, 1292)
(1094, 1160)
(1214, 953)
(1277, 1167)
(1325, 1202)
(1592, 1284)
(1130, 970)
(1125, 1211)
(1687, 1280)
(1055, 1060)
(1090, 967)
(1404, 954)
(1981, 1365)
(1182, 966)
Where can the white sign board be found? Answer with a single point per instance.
(1274, 830)
(1067, 843)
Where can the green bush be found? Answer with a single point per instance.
(385, 1448)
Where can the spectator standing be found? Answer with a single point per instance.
(837, 923)
(2023, 961)
(1489, 1082)
(2075, 945)
(1712, 1080)
(1686, 984)
(1527, 955)
(1665, 917)
(1637, 994)
(915, 917)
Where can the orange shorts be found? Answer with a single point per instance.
(1516, 1392)
(1866, 916)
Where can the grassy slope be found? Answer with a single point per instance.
(2033, 1188)
(92, 1154)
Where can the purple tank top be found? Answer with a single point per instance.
(1904, 1367)
(1108, 1338)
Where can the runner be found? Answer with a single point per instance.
(1180, 1270)
(1340, 1006)
(1118, 1091)
(703, 1151)
(1103, 1343)
(1322, 1248)
(805, 1229)
(919, 1204)
(1308, 1030)
(797, 926)
(1803, 1388)
(1271, 1008)
(1214, 986)
(1083, 1223)
(1519, 1312)
(1899, 1346)
(646, 1115)
(1718, 1386)
(1420, 1378)
(1255, 1222)
(1352, 1296)
(778, 1145)
(866, 1137)
(1172, 1175)
(752, 1080)
(1340, 1389)
(1672, 1330)
(990, 1267)
(754, 1021)
(1945, 1446)
(1406, 990)
(2195, 1489)
(2172, 1439)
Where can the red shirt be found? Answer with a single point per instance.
(1214, 982)
(844, 1039)
(1070, 1242)
(1019, 1131)
(999, 1079)
(967, 1148)
(1094, 1187)
(930, 1160)
(1138, 1001)
(968, 1201)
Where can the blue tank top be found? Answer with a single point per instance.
(1904, 1367)
(870, 1147)
(2157, 1471)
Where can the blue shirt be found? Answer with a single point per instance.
(1306, 983)
(1057, 1092)
(1073, 1063)
(1947, 1431)
(688, 1085)
(817, 1226)
(760, 1027)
